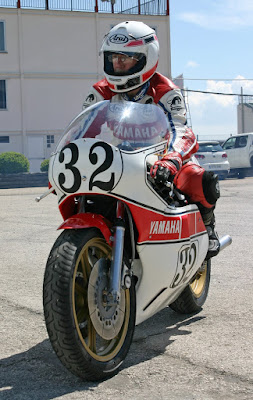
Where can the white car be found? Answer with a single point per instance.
(239, 149)
(212, 157)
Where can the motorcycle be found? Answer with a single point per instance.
(128, 248)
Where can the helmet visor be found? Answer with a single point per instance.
(123, 63)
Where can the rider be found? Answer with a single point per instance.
(131, 52)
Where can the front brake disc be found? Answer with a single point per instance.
(107, 320)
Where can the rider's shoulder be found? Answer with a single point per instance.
(102, 87)
(161, 85)
(98, 92)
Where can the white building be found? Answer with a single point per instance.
(245, 115)
(48, 61)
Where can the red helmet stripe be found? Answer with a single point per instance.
(135, 43)
(149, 73)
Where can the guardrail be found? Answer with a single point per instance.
(141, 7)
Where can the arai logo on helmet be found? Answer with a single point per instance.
(118, 38)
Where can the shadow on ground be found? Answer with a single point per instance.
(38, 374)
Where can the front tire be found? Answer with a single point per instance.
(194, 295)
(73, 290)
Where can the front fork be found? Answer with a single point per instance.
(117, 268)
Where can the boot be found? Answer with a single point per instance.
(209, 221)
(214, 244)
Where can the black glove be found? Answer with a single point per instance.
(161, 174)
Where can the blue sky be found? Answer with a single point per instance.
(212, 40)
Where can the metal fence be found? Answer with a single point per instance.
(245, 99)
(142, 7)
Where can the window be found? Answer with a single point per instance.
(50, 140)
(209, 147)
(2, 36)
(4, 139)
(241, 141)
(2, 95)
(229, 144)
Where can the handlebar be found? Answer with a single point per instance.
(160, 187)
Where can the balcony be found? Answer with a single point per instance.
(139, 7)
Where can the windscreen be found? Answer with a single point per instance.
(126, 125)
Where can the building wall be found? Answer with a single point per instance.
(50, 62)
(245, 117)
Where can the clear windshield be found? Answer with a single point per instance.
(127, 125)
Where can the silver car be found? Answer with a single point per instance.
(212, 157)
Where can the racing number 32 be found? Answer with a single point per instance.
(93, 157)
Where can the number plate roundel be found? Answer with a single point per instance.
(86, 165)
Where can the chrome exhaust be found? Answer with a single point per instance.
(225, 241)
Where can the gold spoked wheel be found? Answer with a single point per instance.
(101, 329)
(194, 295)
(90, 338)
(199, 283)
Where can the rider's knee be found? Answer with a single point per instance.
(211, 188)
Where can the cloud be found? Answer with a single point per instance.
(216, 115)
(232, 87)
(192, 64)
(225, 15)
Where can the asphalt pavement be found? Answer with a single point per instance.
(206, 356)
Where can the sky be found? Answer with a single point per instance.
(211, 45)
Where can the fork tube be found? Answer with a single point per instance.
(117, 254)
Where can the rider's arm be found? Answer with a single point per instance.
(92, 98)
(183, 140)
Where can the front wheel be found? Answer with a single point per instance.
(90, 338)
(194, 295)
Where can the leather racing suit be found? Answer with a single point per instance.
(192, 180)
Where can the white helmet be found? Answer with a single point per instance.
(134, 39)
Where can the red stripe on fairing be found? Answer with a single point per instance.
(149, 73)
(135, 43)
(153, 227)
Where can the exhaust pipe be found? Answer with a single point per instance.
(225, 241)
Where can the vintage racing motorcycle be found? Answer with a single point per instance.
(128, 247)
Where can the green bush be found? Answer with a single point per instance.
(44, 166)
(12, 163)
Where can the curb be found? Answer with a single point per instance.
(23, 180)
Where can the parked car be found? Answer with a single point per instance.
(212, 157)
(239, 149)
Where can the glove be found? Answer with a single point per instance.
(169, 165)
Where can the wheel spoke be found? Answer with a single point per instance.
(80, 314)
(85, 267)
(80, 290)
(198, 285)
(91, 337)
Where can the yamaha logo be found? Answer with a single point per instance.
(118, 38)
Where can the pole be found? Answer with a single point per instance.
(243, 127)
(168, 7)
(96, 5)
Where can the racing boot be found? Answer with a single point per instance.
(209, 221)
(214, 244)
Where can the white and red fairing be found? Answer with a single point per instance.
(165, 232)
(170, 239)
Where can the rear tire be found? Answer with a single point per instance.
(194, 295)
(241, 174)
(73, 285)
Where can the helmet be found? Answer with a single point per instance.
(134, 39)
